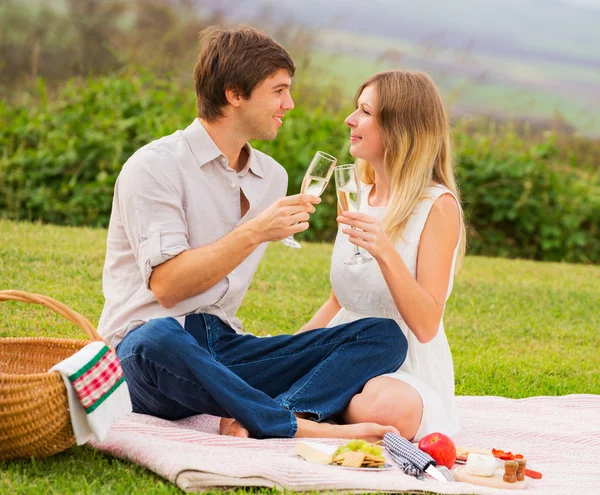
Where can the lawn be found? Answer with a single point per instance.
(516, 329)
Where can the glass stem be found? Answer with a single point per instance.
(356, 250)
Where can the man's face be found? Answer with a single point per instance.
(262, 114)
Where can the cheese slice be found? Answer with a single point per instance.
(316, 452)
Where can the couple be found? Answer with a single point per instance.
(192, 215)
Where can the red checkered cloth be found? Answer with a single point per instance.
(98, 379)
(96, 389)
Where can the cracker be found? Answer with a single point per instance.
(353, 459)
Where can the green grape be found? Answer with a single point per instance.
(379, 457)
(353, 444)
(376, 450)
(366, 448)
(345, 449)
(361, 443)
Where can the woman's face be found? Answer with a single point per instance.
(365, 139)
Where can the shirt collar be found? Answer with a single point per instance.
(205, 150)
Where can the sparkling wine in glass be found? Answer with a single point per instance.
(347, 184)
(315, 181)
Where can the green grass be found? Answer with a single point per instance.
(516, 328)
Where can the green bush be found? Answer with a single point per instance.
(59, 162)
(519, 204)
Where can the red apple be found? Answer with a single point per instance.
(440, 447)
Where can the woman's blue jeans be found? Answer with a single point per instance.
(174, 372)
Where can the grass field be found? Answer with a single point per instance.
(516, 329)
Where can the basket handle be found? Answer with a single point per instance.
(56, 306)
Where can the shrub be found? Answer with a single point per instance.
(519, 204)
(59, 162)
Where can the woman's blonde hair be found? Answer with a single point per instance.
(416, 138)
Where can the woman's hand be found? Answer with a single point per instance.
(366, 232)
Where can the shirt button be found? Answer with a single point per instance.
(233, 272)
(153, 229)
(233, 185)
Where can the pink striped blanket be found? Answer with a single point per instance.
(559, 436)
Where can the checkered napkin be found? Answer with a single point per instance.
(409, 468)
(412, 460)
(96, 389)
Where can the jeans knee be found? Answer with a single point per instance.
(395, 343)
(391, 330)
(158, 337)
(154, 344)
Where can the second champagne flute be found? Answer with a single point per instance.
(347, 184)
(315, 181)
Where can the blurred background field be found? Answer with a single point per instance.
(84, 83)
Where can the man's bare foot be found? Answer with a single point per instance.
(370, 432)
(232, 428)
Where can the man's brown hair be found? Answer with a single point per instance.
(236, 58)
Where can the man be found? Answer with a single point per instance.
(192, 215)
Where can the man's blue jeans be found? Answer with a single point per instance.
(207, 368)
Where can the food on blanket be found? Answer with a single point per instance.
(371, 454)
(359, 446)
(510, 472)
(521, 469)
(506, 456)
(440, 447)
(462, 455)
(353, 459)
(481, 464)
(509, 456)
(462, 452)
(536, 475)
(367, 460)
(355, 444)
(315, 452)
(343, 456)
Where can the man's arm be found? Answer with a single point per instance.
(194, 271)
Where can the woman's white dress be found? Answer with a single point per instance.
(362, 292)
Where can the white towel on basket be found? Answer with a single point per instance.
(96, 389)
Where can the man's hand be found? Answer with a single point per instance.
(285, 217)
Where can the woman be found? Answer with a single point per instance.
(410, 222)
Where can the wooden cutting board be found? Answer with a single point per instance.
(495, 481)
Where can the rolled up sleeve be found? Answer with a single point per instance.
(151, 203)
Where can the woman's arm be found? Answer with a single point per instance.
(420, 302)
(324, 315)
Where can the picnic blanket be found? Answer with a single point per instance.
(559, 436)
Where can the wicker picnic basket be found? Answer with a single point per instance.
(34, 414)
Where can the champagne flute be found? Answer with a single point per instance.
(315, 181)
(347, 184)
